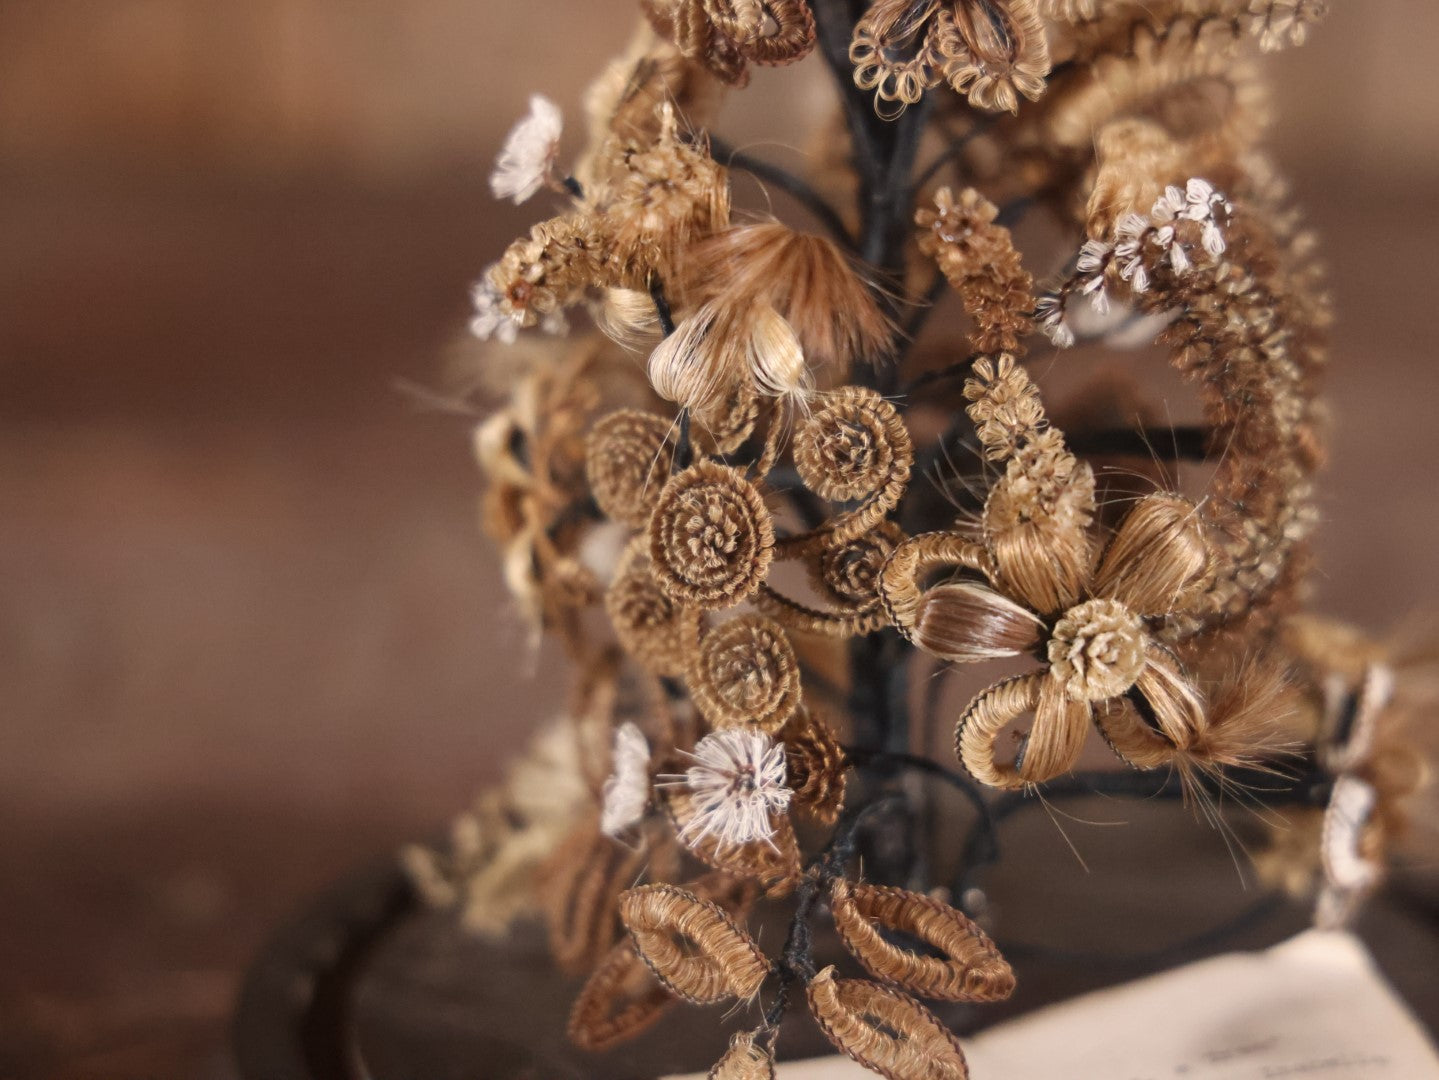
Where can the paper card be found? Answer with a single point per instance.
(1313, 1008)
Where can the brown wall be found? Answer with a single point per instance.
(248, 632)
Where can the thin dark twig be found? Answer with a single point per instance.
(950, 152)
(789, 183)
(923, 308)
(928, 378)
(1186, 442)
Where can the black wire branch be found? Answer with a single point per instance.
(954, 150)
(1185, 442)
(958, 369)
(789, 183)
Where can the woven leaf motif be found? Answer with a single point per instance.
(884, 1030)
(583, 882)
(692, 945)
(970, 967)
(620, 1000)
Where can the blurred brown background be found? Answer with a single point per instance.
(249, 634)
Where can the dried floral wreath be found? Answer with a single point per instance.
(746, 541)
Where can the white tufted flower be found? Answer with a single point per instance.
(528, 155)
(627, 791)
(736, 783)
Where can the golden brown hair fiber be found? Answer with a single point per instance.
(968, 967)
(621, 999)
(804, 277)
(691, 945)
(884, 1030)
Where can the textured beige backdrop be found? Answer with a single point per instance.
(248, 633)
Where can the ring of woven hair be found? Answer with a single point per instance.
(581, 891)
(724, 427)
(815, 766)
(627, 464)
(720, 960)
(968, 968)
(711, 538)
(774, 862)
(745, 672)
(660, 634)
(848, 570)
(885, 1030)
(853, 446)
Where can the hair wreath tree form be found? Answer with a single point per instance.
(788, 416)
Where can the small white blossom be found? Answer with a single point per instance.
(1213, 238)
(1049, 313)
(529, 152)
(627, 791)
(736, 783)
(1093, 256)
(1168, 207)
(490, 320)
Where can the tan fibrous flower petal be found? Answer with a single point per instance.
(884, 1030)
(815, 765)
(692, 945)
(993, 51)
(1052, 745)
(853, 446)
(688, 26)
(968, 966)
(661, 634)
(627, 460)
(1036, 524)
(711, 538)
(1157, 555)
(1097, 650)
(903, 577)
(746, 673)
(621, 999)
(893, 50)
(804, 277)
(966, 622)
(744, 1060)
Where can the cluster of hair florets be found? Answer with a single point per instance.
(760, 460)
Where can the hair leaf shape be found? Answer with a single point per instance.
(886, 1031)
(620, 1000)
(692, 945)
(968, 968)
